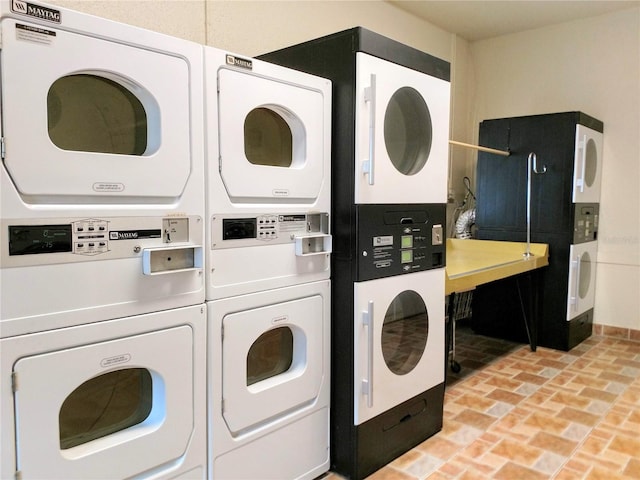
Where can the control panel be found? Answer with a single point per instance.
(309, 231)
(398, 239)
(585, 223)
(27, 242)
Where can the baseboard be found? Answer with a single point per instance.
(616, 332)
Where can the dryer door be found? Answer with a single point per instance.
(272, 361)
(587, 170)
(271, 138)
(402, 134)
(398, 340)
(582, 278)
(105, 410)
(87, 117)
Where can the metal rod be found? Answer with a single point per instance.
(530, 160)
(504, 153)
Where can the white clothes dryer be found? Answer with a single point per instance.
(118, 399)
(102, 177)
(587, 169)
(268, 131)
(269, 381)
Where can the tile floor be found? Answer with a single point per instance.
(514, 414)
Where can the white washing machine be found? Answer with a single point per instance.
(269, 384)
(102, 177)
(268, 132)
(123, 398)
(582, 278)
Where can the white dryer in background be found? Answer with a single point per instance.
(118, 399)
(269, 384)
(587, 169)
(102, 177)
(582, 278)
(268, 161)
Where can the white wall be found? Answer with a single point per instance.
(255, 27)
(590, 65)
(179, 18)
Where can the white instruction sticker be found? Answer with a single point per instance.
(33, 34)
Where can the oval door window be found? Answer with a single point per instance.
(268, 139)
(90, 113)
(407, 131)
(105, 405)
(270, 355)
(591, 162)
(404, 332)
(585, 275)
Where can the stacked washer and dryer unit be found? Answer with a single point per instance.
(390, 158)
(564, 214)
(268, 259)
(102, 321)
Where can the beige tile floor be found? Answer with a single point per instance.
(514, 414)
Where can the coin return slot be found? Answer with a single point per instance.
(313, 245)
(171, 260)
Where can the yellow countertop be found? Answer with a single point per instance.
(474, 262)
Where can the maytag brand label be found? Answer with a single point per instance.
(35, 11)
(239, 62)
(134, 234)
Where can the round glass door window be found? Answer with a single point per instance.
(404, 332)
(585, 275)
(89, 113)
(591, 163)
(407, 131)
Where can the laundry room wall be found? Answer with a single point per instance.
(179, 18)
(591, 65)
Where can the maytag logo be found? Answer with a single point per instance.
(239, 62)
(36, 11)
(134, 234)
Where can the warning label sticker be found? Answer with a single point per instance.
(33, 34)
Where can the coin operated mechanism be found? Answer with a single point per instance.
(309, 232)
(174, 258)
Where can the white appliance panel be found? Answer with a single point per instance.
(587, 171)
(411, 110)
(283, 408)
(160, 80)
(582, 278)
(301, 108)
(247, 405)
(126, 277)
(376, 387)
(49, 393)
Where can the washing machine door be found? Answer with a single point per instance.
(402, 134)
(398, 340)
(106, 410)
(271, 138)
(272, 362)
(587, 171)
(582, 278)
(89, 117)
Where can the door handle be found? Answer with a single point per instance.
(575, 265)
(583, 166)
(367, 382)
(370, 98)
